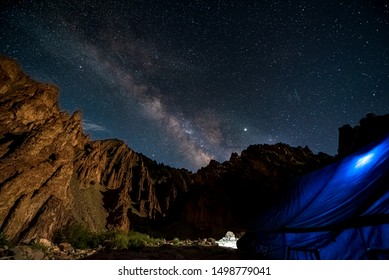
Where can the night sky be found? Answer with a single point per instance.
(186, 81)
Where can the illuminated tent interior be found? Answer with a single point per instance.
(337, 212)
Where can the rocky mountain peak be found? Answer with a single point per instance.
(51, 174)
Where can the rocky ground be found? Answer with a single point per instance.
(169, 252)
(44, 250)
(173, 249)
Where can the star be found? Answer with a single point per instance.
(186, 81)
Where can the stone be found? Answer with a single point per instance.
(65, 256)
(37, 255)
(21, 252)
(55, 249)
(65, 247)
(45, 242)
(211, 241)
(229, 235)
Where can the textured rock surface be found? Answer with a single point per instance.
(226, 195)
(52, 174)
(134, 184)
(37, 143)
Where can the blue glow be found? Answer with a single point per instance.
(360, 166)
(331, 196)
(364, 160)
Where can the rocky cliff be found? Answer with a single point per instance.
(370, 128)
(51, 174)
(228, 195)
(37, 147)
(133, 184)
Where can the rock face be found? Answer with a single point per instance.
(227, 195)
(52, 174)
(370, 128)
(134, 184)
(37, 145)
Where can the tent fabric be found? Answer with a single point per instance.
(350, 244)
(379, 207)
(338, 212)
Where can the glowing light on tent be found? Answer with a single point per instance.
(358, 167)
(331, 197)
(364, 160)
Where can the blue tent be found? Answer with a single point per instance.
(338, 212)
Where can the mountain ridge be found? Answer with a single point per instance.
(46, 160)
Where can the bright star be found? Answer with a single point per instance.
(244, 129)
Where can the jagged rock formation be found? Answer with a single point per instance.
(228, 194)
(370, 128)
(37, 145)
(52, 174)
(134, 184)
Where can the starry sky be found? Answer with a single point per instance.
(184, 82)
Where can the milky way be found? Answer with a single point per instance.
(189, 81)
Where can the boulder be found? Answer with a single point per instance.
(64, 246)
